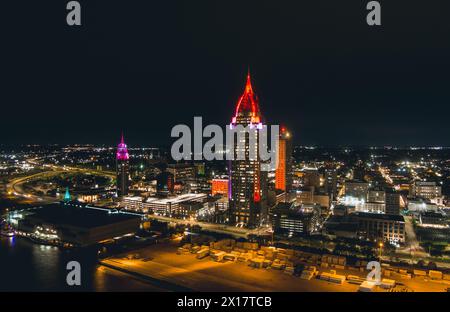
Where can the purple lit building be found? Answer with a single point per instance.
(123, 168)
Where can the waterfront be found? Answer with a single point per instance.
(26, 266)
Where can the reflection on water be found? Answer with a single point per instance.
(25, 266)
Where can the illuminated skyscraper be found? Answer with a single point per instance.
(283, 173)
(246, 202)
(123, 168)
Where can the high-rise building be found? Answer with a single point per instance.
(283, 173)
(311, 178)
(165, 184)
(123, 168)
(392, 200)
(246, 202)
(182, 172)
(357, 189)
(377, 196)
(331, 182)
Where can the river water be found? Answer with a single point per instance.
(26, 266)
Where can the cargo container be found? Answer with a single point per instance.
(435, 274)
(267, 263)
(353, 279)
(332, 277)
(278, 265)
(309, 272)
(230, 257)
(337, 279)
(202, 253)
(307, 275)
(387, 283)
(218, 256)
(289, 270)
(420, 273)
(182, 250)
(256, 263)
(367, 286)
(243, 257)
(195, 249)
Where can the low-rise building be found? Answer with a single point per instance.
(291, 220)
(433, 219)
(429, 190)
(372, 226)
(390, 228)
(166, 206)
(417, 205)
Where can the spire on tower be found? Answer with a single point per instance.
(248, 102)
(122, 150)
(248, 84)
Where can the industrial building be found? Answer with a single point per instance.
(74, 224)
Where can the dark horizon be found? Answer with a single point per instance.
(143, 68)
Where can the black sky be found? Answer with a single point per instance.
(144, 66)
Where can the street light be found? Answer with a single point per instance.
(271, 232)
(381, 248)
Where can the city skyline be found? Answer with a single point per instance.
(260, 147)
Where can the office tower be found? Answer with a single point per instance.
(357, 189)
(377, 195)
(331, 182)
(283, 173)
(123, 168)
(182, 172)
(246, 202)
(165, 183)
(392, 202)
(311, 178)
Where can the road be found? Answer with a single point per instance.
(217, 228)
(14, 187)
(413, 246)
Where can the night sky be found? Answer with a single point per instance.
(145, 66)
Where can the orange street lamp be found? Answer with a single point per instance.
(381, 248)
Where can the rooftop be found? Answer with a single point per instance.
(380, 216)
(169, 199)
(78, 215)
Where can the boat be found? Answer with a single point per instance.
(7, 230)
